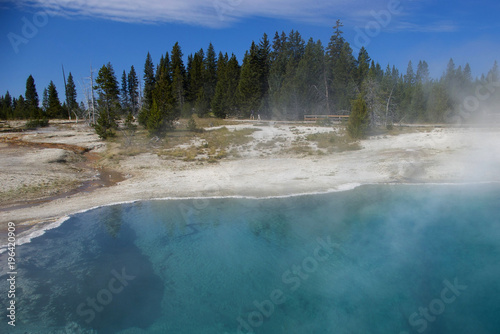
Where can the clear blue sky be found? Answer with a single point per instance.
(78, 33)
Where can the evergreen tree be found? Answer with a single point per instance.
(493, 86)
(196, 81)
(165, 113)
(210, 81)
(149, 81)
(21, 108)
(124, 96)
(494, 73)
(155, 120)
(45, 101)
(310, 81)
(249, 88)
(363, 66)
(31, 99)
(7, 106)
(71, 96)
(133, 91)
(423, 75)
(409, 78)
(342, 65)
(54, 109)
(264, 53)
(108, 101)
(277, 71)
(439, 103)
(418, 105)
(218, 105)
(357, 126)
(149, 86)
(228, 72)
(286, 99)
(178, 78)
(389, 85)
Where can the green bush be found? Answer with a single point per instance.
(192, 126)
(359, 119)
(33, 124)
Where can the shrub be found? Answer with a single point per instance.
(191, 125)
(359, 119)
(33, 124)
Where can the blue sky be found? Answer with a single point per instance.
(38, 36)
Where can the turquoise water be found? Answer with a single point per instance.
(376, 259)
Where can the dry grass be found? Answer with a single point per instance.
(40, 190)
(210, 145)
(333, 142)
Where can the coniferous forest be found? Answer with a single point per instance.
(282, 78)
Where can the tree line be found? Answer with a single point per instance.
(285, 78)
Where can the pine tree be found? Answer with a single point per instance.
(31, 99)
(149, 85)
(21, 108)
(178, 78)
(289, 95)
(423, 75)
(410, 75)
(196, 80)
(108, 101)
(7, 106)
(218, 102)
(358, 120)
(264, 52)
(165, 111)
(439, 103)
(210, 81)
(277, 72)
(155, 120)
(124, 97)
(342, 65)
(494, 73)
(310, 81)
(45, 101)
(149, 81)
(249, 87)
(54, 109)
(133, 91)
(363, 66)
(228, 72)
(71, 94)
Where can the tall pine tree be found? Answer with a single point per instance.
(178, 78)
(133, 90)
(108, 101)
(71, 95)
(342, 65)
(249, 88)
(124, 97)
(31, 99)
(54, 109)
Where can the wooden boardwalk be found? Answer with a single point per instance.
(329, 117)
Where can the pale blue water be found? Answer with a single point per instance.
(377, 259)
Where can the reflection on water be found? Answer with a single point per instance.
(377, 259)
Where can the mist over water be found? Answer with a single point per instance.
(376, 259)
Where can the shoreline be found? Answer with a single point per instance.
(444, 156)
(42, 226)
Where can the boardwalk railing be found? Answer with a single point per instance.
(329, 117)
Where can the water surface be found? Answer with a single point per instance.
(376, 259)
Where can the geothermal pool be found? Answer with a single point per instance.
(376, 259)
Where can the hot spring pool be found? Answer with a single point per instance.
(376, 259)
